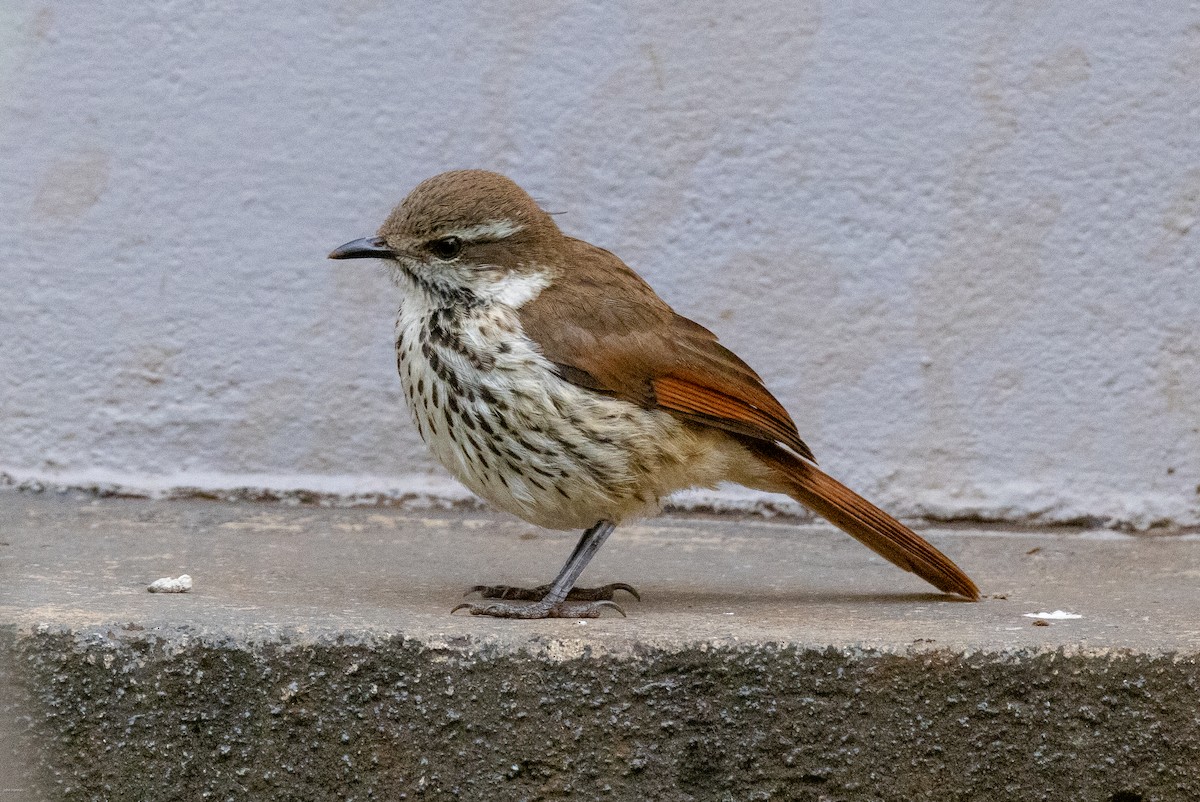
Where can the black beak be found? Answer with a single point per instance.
(365, 248)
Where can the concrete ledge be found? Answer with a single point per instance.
(315, 659)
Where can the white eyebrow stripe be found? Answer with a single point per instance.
(491, 230)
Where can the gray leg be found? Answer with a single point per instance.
(556, 600)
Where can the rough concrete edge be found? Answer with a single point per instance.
(20, 778)
(1015, 503)
(552, 649)
(655, 677)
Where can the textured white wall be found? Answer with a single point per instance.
(960, 242)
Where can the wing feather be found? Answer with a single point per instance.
(608, 331)
(725, 411)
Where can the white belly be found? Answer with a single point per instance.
(532, 444)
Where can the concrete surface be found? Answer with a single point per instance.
(958, 240)
(316, 659)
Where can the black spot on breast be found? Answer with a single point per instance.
(451, 378)
(481, 361)
(589, 466)
(459, 297)
(490, 399)
(482, 456)
(568, 447)
(510, 454)
(440, 335)
(528, 446)
(536, 469)
(435, 362)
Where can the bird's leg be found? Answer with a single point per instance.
(556, 600)
(602, 593)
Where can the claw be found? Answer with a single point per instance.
(510, 593)
(613, 605)
(630, 589)
(565, 609)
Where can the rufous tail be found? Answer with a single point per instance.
(865, 522)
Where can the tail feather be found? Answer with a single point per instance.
(865, 522)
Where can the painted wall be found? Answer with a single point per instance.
(960, 243)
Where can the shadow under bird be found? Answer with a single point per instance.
(551, 380)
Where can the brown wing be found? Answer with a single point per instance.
(608, 331)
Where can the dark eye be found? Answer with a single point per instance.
(446, 247)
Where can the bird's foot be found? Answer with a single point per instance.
(540, 609)
(602, 593)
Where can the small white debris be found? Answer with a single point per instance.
(1057, 615)
(168, 585)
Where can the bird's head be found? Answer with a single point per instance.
(465, 232)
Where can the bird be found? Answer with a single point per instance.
(550, 379)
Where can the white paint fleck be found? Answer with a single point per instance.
(1057, 615)
(180, 584)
